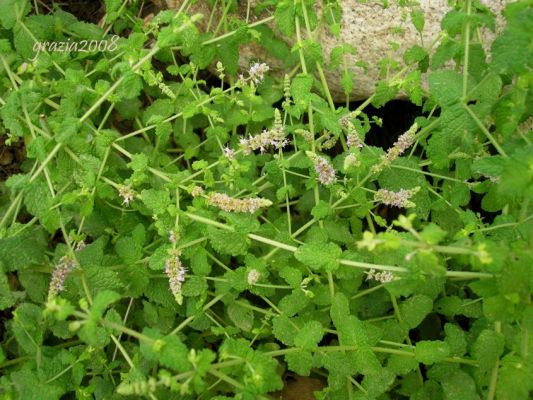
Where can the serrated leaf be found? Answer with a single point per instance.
(431, 351)
(284, 329)
(300, 362)
(446, 86)
(414, 310)
(233, 243)
(319, 255)
(156, 200)
(16, 253)
(242, 317)
(487, 348)
(284, 17)
(309, 335)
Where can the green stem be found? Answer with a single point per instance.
(110, 91)
(467, 49)
(350, 263)
(191, 318)
(485, 131)
(494, 375)
(229, 34)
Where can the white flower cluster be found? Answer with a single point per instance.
(229, 153)
(176, 274)
(396, 199)
(127, 194)
(229, 204)
(253, 277)
(62, 269)
(257, 72)
(197, 191)
(381, 276)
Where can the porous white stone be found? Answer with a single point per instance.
(368, 26)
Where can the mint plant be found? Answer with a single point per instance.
(182, 228)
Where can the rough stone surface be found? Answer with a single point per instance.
(369, 27)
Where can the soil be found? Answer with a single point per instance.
(84, 10)
(11, 157)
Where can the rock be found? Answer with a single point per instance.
(370, 28)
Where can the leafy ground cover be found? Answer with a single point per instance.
(172, 233)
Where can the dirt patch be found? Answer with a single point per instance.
(11, 157)
(84, 10)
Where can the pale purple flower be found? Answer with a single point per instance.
(229, 153)
(229, 204)
(197, 191)
(324, 170)
(274, 137)
(405, 141)
(173, 236)
(396, 199)
(175, 273)
(352, 140)
(62, 269)
(257, 72)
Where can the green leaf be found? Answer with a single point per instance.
(101, 302)
(301, 89)
(158, 111)
(300, 362)
(130, 87)
(338, 53)
(431, 351)
(11, 10)
(284, 17)
(156, 200)
(417, 17)
(515, 378)
(6, 297)
(292, 276)
(194, 286)
(446, 51)
(321, 210)
(456, 339)
(28, 327)
(138, 162)
(284, 329)
(414, 310)
(242, 317)
(487, 348)
(414, 54)
(224, 242)
(167, 350)
(16, 253)
(29, 386)
(383, 94)
(319, 255)
(128, 249)
(294, 302)
(309, 335)
(446, 86)
(509, 54)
